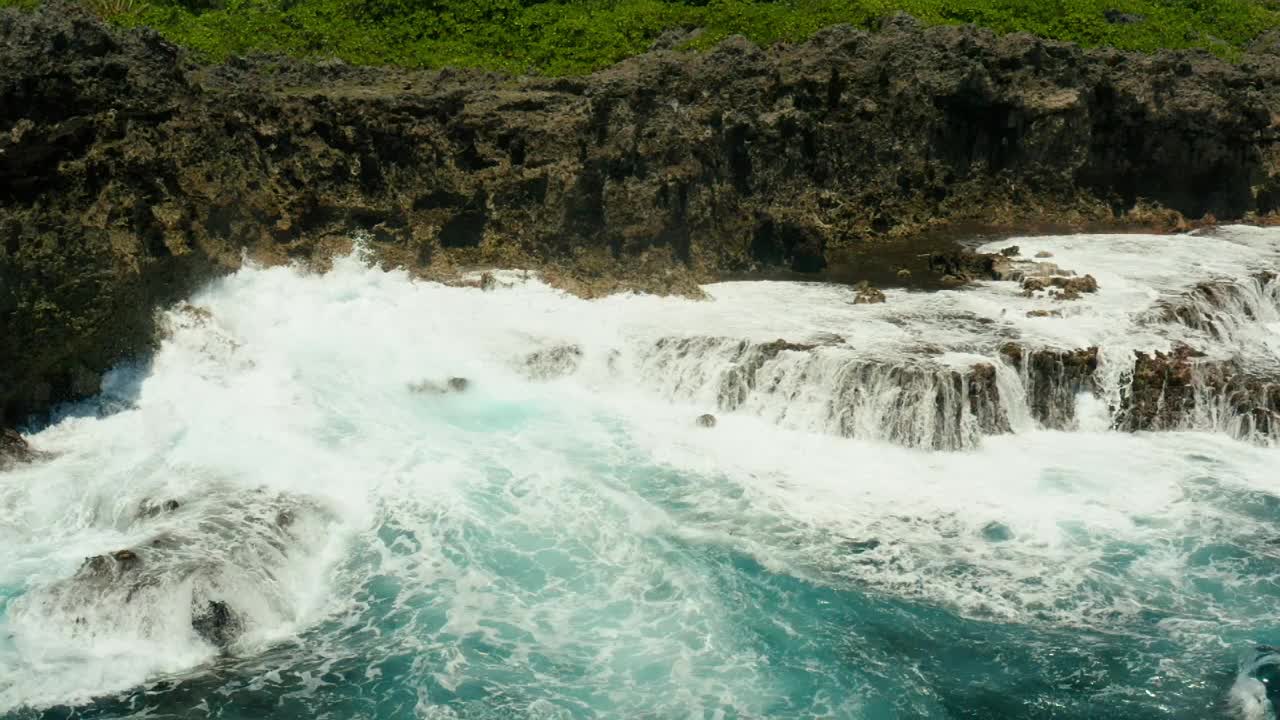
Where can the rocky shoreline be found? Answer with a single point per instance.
(130, 174)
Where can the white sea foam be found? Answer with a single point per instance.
(566, 525)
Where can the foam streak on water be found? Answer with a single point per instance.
(559, 540)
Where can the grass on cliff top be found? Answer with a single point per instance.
(557, 37)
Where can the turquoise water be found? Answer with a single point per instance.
(574, 549)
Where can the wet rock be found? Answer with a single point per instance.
(996, 532)
(1052, 379)
(1221, 308)
(862, 546)
(458, 384)
(235, 540)
(1184, 390)
(14, 449)
(826, 339)
(149, 509)
(904, 274)
(1069, 288)
(985, 406)
(110, 565)
(1044, 313)
(1011, 252)
(553, 362)
(706, 421)
(217, 623)
(1044, 254)
(963, 266)
(1086, 284)
(1161, 391)
(868, 295)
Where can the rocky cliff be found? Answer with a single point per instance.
(129, 174)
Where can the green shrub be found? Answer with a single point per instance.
(565, 37)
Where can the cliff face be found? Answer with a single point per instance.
(128, 174)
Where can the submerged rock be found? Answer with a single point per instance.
(996, 532)
(430, 387)
(110, 565)
(868, 295)
(217, 623)
(706, 421)
(862, 546)
(149, 509)
(553, 362)
(222, 558)
(1222, 308)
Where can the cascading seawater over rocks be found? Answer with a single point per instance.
(361, 494)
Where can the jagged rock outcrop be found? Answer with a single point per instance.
(14, 449)
(128, 174)
(1181, 390)
(552, 362)
(222, 562)
(1052, 379)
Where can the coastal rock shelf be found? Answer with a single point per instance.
(1203, 358)
(130, 175)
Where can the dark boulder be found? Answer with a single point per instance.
(150, 509)
(868, 295)
(996, 532)
(553, 362)
(110, 565)
(706, 421)
(217, 623)
(14, 449)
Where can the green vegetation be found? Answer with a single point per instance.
(576, 36)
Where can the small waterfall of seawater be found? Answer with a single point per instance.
(950, 401)
(359, 495)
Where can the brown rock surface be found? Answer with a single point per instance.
(129, 175)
